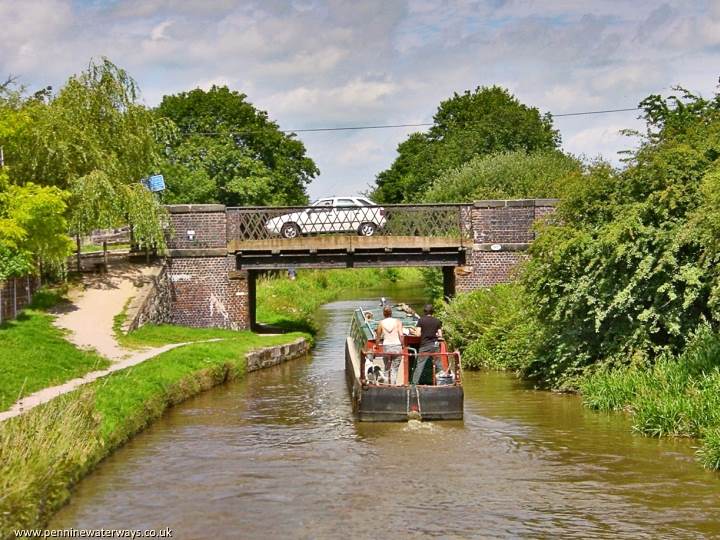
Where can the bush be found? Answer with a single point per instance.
(505, 175)
(626, 269)
(492, 327)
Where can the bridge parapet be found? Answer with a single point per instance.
(405, 220)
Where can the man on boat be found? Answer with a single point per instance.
(390, 331)
(430, 330)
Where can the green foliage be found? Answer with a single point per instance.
(94, 139)
(35, 355)
(479, 123)
(32, 229)
(627, 270)
(505, 175)
(676, 396)
(229, 152)
(292, 304)
(493, 327)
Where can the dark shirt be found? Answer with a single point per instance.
(429, 327)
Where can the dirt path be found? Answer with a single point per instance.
(88, 318)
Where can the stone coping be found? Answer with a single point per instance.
(272, 356)
(503, 246)
(198, 252)
(194, 208)
(515, 203)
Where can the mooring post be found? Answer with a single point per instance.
(448, 282)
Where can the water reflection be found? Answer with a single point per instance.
(280, 455)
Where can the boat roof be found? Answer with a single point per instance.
(407, 316)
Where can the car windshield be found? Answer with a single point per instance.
(322, 202)
(365, 202)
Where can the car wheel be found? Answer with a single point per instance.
(367, 229)
(290, 230)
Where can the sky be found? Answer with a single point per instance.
(324, 63)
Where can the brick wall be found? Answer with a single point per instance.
(489, 268)
(206, 290)
(153, 303)
(205, 296)
(206, 221)
(15, 294)
(501, 232)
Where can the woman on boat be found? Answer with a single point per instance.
(389, 332)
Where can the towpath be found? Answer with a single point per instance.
(88, 318)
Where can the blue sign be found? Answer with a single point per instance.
(155, 183)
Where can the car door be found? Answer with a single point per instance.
(346, 215)
(319, 217)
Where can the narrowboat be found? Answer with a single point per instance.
(376, 398)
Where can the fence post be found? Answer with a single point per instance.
(28, 291)
(1, 301)
(14, 298)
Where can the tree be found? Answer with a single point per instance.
(32, 218)
(229, 152)
(96, 141)
(32, 229)
(628, 270)
(478, 123)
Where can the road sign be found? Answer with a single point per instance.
(155, 183)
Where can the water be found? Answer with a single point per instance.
(279, 455)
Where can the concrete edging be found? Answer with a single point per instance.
(278, 354)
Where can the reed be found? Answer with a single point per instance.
(675, 397)
(42, 454)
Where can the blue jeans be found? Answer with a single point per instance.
(431, 347)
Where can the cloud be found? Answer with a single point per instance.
(158, 32)
(313, 63)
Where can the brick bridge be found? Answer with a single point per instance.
(216, 253)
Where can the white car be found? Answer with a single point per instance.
(334, 214)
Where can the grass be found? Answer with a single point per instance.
(292, 304)
(46, 451)
(35, 354)
(675, 397)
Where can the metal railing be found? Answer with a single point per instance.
(449, 359)
(419, 220)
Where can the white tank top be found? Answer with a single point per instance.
(391, 336)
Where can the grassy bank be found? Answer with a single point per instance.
(35, 354)
(46, 451)
(675, 397)
(666, 396)
(292, 304)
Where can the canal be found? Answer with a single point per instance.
(278, 455)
